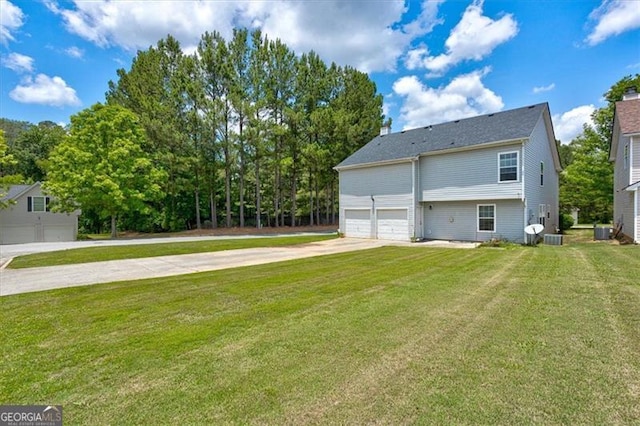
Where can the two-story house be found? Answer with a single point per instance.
(625, 153)
(474, 179)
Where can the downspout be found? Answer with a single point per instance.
(523, 198)
(415, 175)
(636, 234)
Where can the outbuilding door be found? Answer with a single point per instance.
(358, 223)
(392, 224)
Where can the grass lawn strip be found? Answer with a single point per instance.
(389, 335)
(137, 251)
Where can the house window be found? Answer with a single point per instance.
(37, 204)
(508, 166)
(542, 173)
(626, 156)
(486, 218)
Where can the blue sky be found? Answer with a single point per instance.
(433, 61)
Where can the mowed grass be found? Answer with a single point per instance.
(102, 253)
(395, 335)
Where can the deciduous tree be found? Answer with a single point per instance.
(102, 165)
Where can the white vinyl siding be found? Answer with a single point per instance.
(634, 154)
(466, 175)
(637, 211)
(624, 208)
(387, 186)
(390, 179)
(539, 168)
(508, 166)
(459, 221)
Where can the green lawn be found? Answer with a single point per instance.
(98, 254)
(396, 335)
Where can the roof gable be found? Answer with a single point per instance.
(626, 121)
(17, 191)
(628, 113)
(484, 129)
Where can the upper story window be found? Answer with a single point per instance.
(37, 204)
(508, 166)
(626, 156)
(542, 173)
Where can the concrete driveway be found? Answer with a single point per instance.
(14, 281)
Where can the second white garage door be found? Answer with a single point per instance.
(357, 223)
(392, 225)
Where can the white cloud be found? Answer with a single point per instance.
(18, 62)
(74, 52)
(571, 123)
(363, 34)
(464, 96)
(11, 19)
(45, 90)
(614, 17)
(427, 19)
(540, 89)
(474, 37)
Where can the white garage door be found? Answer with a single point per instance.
(58, 233)
(17, 234)
(392, 225)
(357, 223)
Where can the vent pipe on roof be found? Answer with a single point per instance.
(630, 94)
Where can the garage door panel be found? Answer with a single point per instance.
(392, 225)
(17, 234)
(58, 233)
(358, 223)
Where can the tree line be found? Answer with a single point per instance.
(586, 182)
(237, 133)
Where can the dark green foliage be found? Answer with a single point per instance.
(246, 131)
(566, 221)
(587, 180)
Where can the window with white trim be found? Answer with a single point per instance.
(486, 218)
(508, 166)
(37, 204)
(626, 156)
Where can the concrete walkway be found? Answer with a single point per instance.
(15, 281)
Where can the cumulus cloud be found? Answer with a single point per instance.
(11, 19)
(570, 124)
(473, 38)
(541, 89)
(464, 96)
(18, 62)
(363, 34)
(45, 90)
(613, 17)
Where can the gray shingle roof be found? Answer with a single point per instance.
(500, 126)
(15, 191)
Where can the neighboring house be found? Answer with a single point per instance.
(473, 179)
(28, 219)
(625, 153)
